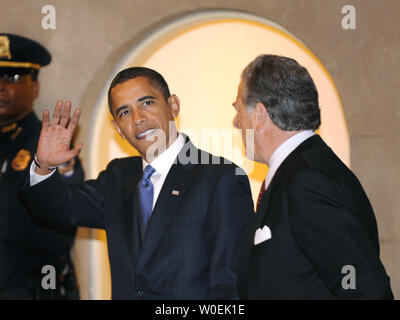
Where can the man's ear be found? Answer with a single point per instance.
(118, 129)
(262, 116)
(174, 104)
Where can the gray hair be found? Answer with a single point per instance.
(286, 89)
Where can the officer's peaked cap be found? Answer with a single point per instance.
(20, 52)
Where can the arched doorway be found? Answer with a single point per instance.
(201, 56)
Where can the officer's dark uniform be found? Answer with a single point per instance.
(26, 243)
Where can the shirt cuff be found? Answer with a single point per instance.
(36, 178)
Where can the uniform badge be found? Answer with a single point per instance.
(21, 160)
(5, 47)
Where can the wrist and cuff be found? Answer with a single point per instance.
(35, 159)
(35, 178)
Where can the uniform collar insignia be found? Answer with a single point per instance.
(8, 127)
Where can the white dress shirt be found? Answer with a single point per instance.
(162, 164)
(281, 153)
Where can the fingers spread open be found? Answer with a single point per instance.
(74, 120)
(57, 113)
(65, 114)
(45, 119)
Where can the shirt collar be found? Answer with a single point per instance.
(281, 153)
(287, 147)
(164, 161)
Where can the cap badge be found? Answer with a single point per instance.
(5, 47)
(21, 160)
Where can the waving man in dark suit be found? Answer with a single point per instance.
(314, 235)
(174, 216)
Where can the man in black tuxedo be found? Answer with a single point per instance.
(174, 217)
(314, 235)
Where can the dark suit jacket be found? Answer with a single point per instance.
(320, 221)
(190, 249)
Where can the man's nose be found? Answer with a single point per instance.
(138, 117)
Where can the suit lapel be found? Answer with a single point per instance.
(177, 181)
(128, 216)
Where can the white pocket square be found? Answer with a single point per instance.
(262, 235)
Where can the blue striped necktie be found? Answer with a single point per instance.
(146, 194)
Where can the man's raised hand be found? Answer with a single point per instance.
(55, 137)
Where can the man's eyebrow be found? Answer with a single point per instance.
(145, 98)
(121, 109)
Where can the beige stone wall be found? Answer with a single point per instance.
(92, 35)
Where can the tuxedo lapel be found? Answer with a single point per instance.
(247, 244)
(257, 221)
(312, 142)
(172, 192)
(265, 198)
(263, 206)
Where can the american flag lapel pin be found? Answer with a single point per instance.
(175, 192)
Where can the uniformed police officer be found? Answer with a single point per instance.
(28, 245)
